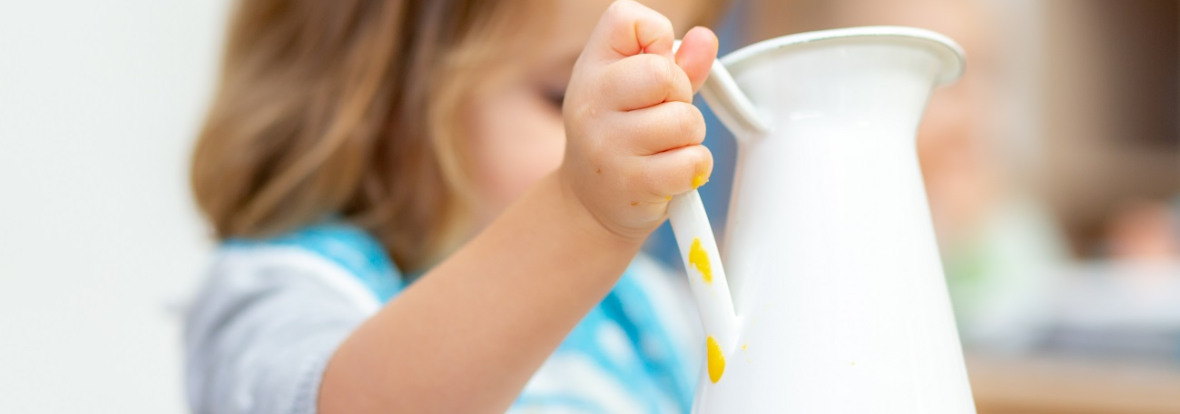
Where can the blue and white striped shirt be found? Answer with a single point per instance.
(272, 313)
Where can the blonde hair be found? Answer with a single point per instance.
(347, 109)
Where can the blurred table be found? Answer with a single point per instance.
(1058, 385)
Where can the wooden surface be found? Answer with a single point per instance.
(1073, 386)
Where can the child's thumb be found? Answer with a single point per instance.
(695, 56)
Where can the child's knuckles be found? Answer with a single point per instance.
(676, 124)
(698, 128)
(681, 84)
(689, 121)
(666, 73)
(659, 72)
(637, 81)
(670, 127)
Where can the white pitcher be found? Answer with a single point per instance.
(838, 301)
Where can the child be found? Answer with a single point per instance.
(419, 217)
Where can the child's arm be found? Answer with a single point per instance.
(468, 335)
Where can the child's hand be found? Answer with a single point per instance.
(633, 135)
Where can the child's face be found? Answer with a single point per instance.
(517, 133)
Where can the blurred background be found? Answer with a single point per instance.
(99, 241)
(1052, 167)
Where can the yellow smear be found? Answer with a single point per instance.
(699, 180)
(746, 347)
(698, 259)
(716, 359)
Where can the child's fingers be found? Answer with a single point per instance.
(642, 81)
(697, 51)
(663, 127)
(677, 171)
(628, 28)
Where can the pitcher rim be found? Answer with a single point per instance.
(952, 58)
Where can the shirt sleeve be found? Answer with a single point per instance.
(259, 335)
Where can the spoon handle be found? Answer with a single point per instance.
(702, 264)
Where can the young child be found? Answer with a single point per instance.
(419, 217)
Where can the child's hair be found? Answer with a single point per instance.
(344, 108)
(347, 109)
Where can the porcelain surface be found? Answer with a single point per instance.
(830, 297)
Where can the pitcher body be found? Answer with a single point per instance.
(838, 293)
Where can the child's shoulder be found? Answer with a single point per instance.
(338, 254)
(282, 306)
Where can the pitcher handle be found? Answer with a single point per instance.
(730, 103)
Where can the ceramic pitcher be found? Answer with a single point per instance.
(830, 297)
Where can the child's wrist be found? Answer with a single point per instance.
(585, 222)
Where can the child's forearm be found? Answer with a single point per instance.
(468, 335)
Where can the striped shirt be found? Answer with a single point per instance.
(260, 332)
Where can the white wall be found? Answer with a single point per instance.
(99, 103)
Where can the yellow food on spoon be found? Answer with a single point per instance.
(699, 259)
(716, 359)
